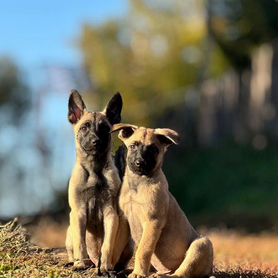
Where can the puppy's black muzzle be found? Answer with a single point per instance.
(92, 143)
(142, 160)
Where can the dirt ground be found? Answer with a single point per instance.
(236, 254)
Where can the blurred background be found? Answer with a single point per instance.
(207, 69)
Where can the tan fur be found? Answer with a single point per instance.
(162, 233)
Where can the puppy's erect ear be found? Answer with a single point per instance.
(114, 108)
(76, 107)
(126, 130)
(167, 136)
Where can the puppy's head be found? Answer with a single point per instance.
(146, 147)
(92, 129)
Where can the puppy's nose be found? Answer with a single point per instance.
(95, 142)
(139, 163)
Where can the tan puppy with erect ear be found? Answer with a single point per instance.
(162, 234)
(96, 233)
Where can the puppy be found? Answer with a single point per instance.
(163, 236)
(94, 188)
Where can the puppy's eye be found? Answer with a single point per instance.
(86, 126)
(133, 146)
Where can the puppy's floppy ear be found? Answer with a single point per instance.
(167, 136)
(114, 108)
(126, 130)
(76, 107)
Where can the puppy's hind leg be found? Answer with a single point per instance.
(198, 260)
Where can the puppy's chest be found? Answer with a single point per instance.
(137, 206)
(97, 195)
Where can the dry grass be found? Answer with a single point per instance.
(246, 255)
(20, 258)
(236, 255)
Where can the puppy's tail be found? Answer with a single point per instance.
(120, 160)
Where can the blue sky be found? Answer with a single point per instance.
(37, 32)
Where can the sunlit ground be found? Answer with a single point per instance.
(238, 252)
(234, 252)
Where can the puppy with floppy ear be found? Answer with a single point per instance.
(94, 187)
(163, 236)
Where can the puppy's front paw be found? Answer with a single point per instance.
(105, 267)
(103, 270)
(82, 264)
(136, 275)
(78, 265)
